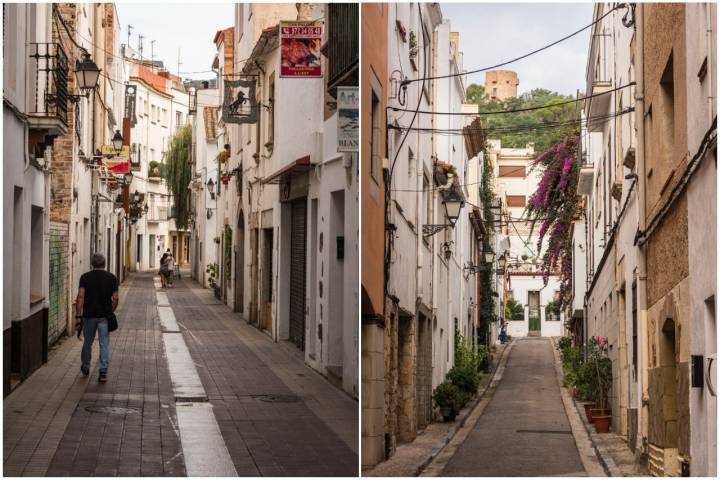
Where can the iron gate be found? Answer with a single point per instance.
(297, 273)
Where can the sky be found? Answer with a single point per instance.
(491, 33)
(190, 27)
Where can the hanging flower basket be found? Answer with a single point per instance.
(222, 157)
(225, 179)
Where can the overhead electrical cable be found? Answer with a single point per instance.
(538, 50)
(528, 109)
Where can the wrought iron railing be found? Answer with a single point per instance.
(51, 78)
(342, 44)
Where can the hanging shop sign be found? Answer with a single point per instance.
(240, 104)
(130, 94)
(114, 161)
(348, 102)
(300, 44)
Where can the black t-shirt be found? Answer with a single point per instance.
(99, 286)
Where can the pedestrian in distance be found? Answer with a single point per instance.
(170, 265)
(95, 305)
(163, 280)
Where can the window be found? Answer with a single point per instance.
(494, 94)
(516, 200)
(411, 163)
(375, 115)
(634, 329)
(178, 118)
(667, 99)
(512, 171)
(428, 200)
(271, 112)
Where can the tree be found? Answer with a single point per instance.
(512, 129)
(514, 310)
(475, 93)
(177, 174)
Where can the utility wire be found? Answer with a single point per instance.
(528, 109)
(519, 129)
(408, 81)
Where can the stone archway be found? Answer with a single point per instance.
(239, 249)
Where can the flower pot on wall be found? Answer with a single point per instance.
(598, 412)
(602, 423)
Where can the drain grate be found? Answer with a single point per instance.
(112, 410)
(544, 431)
(271, 398)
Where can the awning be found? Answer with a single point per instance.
(293, 169)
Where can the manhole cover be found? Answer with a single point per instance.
(113, 410)
(277, 398)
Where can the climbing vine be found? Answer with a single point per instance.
(487, 302)
(177, 174)
(555, 205)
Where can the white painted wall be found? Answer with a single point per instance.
(702, 234)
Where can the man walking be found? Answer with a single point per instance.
(97, 299)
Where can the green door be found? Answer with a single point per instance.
(534, 311)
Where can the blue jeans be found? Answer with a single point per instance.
(89, 327)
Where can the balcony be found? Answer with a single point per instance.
(48, 107)
(599, 105)
(341, 48)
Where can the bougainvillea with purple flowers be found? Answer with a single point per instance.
(555, 205)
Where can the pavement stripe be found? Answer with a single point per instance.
(167, 320)
(183, 374)
(204, 449)
(162, 299)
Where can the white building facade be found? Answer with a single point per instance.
(515, 183)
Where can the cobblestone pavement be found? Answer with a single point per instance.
(279, 419)
(524, 430)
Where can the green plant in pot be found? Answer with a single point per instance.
(449, 398)
(599, 371)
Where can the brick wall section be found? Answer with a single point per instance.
(62, 163)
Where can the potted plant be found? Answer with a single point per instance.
(448, 398)
(217, 239)
(599, 371)
(153, 169)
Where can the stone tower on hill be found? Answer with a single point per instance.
(501, 84)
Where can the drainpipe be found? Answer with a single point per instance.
(710, 66)
(642, 266)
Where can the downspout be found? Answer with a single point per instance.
(642, 261)
(708, 36)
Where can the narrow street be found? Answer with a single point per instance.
(258, 406)
(524, 430)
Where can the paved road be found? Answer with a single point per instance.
(273, 414)
(524, 430)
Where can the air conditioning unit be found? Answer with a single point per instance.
(585, 181)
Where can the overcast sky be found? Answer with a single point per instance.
(491, 33)
(190, 27)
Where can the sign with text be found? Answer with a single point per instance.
(114, 161)
(130, 93)
(300, 44)
(348, 102)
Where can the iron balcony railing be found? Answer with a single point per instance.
(342, 44)
(50, 64)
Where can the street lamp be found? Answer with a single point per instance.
(453, 202)
(136, 197)
(117, 141)
(489, 256)
(128, 178)
(87, 73)
(211, 188)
